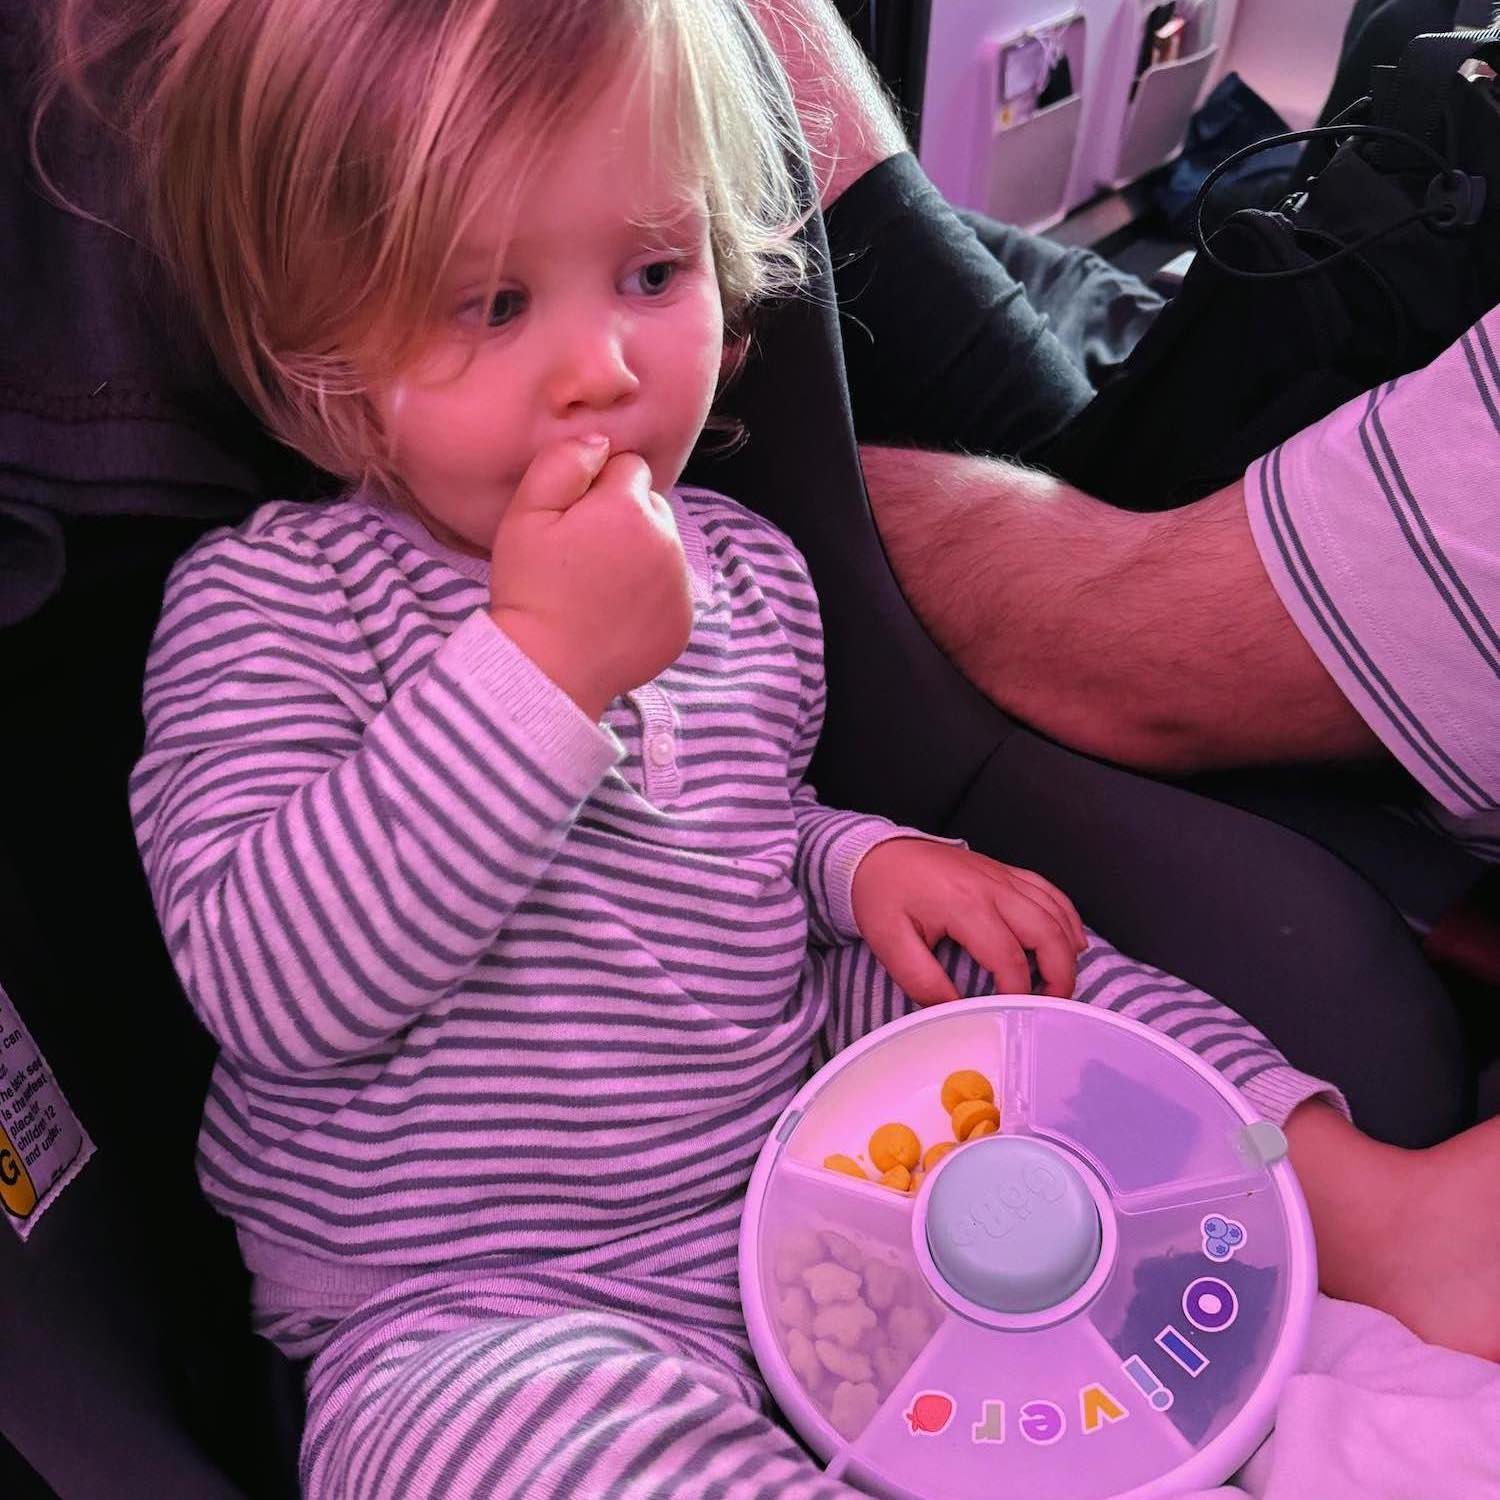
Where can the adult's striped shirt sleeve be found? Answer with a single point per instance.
(326, 862)
(1378, 529)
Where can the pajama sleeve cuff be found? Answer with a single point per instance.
(869, 833)
(1280, 1089)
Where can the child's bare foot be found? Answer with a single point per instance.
(1413, 1233)
(1444, 1271)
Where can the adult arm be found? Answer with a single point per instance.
(971, 354)
(1340, 603)
(1154, 640)
(847, 116)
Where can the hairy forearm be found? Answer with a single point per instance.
(1154, 640)
(846, 112)
(1010, 570)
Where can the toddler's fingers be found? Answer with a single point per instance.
(1041, 931)
(906, 955)
(624, 474)
(989, 938)
(560, 475)
(627, 476)
(1048, 894)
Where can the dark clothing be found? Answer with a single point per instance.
(1013, 332)
(109, 402)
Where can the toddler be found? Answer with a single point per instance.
(474, 802)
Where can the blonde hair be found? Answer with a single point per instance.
(306, 168)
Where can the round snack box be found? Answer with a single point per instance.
(1011, 1246)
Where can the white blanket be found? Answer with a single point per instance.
(1376, 1414)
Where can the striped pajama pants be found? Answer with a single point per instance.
(572, 1385)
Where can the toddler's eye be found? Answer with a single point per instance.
(658, 283)
(502, 306)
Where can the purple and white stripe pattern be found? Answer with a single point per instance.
(1377, 528)
(508, 1001)
(482, 987)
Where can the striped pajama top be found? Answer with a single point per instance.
(495, 986)
(1380, 530)
(489, 980)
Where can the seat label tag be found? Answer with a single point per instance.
(43, 1146)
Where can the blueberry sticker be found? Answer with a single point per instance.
(1221, 1237)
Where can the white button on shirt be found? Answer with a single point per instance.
(660, 749)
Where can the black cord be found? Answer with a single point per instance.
(1448, 213)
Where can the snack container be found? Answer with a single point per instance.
(1100, 1300)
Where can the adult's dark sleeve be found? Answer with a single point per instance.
(942, 345)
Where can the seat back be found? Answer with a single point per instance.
(129, 1288)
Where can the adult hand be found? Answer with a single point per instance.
(587, 573)
(910, 893)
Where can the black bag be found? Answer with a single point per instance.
(1387, 257)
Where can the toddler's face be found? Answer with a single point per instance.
(597, 327)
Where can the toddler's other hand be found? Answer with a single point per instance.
(587, 573)
(910, 893)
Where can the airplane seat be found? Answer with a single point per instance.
(141, 1376)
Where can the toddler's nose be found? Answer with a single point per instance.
(591, 371)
